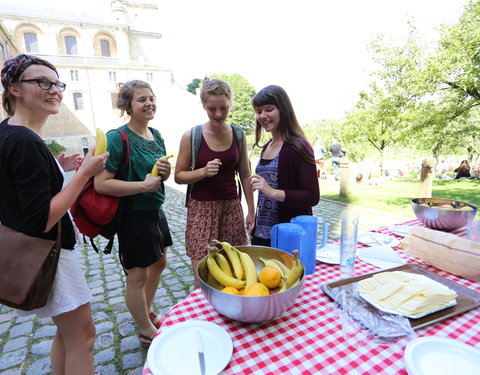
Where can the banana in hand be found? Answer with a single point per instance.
(100, 143)
(154, 171)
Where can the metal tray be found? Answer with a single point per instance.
(467, 299)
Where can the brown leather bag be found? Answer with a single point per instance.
(27, 268)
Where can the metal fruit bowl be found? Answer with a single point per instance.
(250, 309)
(443, 219)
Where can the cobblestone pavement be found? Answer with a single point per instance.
(25, 342)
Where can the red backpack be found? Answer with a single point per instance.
(96, 214)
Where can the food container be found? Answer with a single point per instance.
(435, 213)
(251, 309)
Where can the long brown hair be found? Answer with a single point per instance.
(289, 128)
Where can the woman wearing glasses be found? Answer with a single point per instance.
(33, 201)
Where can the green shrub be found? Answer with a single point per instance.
(55, 148)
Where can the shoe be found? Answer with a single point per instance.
(156, 319)
(145, 341)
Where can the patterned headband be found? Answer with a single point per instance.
(14, 67)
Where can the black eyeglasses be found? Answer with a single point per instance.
(45, 84)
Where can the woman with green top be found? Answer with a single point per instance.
(144, 235)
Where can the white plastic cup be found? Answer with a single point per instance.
(348, 244)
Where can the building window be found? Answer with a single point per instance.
(105, 47)
(113, 76)
(31, 43)
(104, 44)
(149, 77)
(78, 100)
(74, 75)
(71, 45)
(3, 53)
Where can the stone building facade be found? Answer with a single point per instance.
(95, 45)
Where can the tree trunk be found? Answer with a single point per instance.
(382, 160)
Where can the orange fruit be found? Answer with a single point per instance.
(230, 290)
(257, 289)
(270, 276)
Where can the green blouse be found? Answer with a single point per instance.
(142, 157)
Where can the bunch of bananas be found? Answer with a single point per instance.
(239, 271)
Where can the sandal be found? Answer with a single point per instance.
(145, 341)
(156, 319)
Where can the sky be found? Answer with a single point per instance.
(315, 49)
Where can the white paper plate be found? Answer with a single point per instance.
(174, 351)
(400, 230)
(329, 254)
(441, 356)
(377, 239)
(380, 256)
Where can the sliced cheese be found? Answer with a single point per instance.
(405, 293)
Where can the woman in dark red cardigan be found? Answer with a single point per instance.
(286, 175)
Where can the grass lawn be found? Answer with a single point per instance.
(395, 196)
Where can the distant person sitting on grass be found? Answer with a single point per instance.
(463, 170)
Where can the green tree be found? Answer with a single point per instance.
(448, 111)
(382, 116)
(194, 85)
(457, 62)
(241, 113)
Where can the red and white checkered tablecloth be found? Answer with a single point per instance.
(307, 339)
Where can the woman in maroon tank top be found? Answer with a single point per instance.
(214, 209)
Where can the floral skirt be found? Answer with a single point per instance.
(208, 220)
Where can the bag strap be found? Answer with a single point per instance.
(125, 160)
(121, 175)
(239, 134)
(195, 140)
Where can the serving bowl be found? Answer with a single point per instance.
(251, 309)
(433, 213)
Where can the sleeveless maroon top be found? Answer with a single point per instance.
(222, 186)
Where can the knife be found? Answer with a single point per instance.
(200, 350)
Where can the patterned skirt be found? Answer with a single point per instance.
(222, 220)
